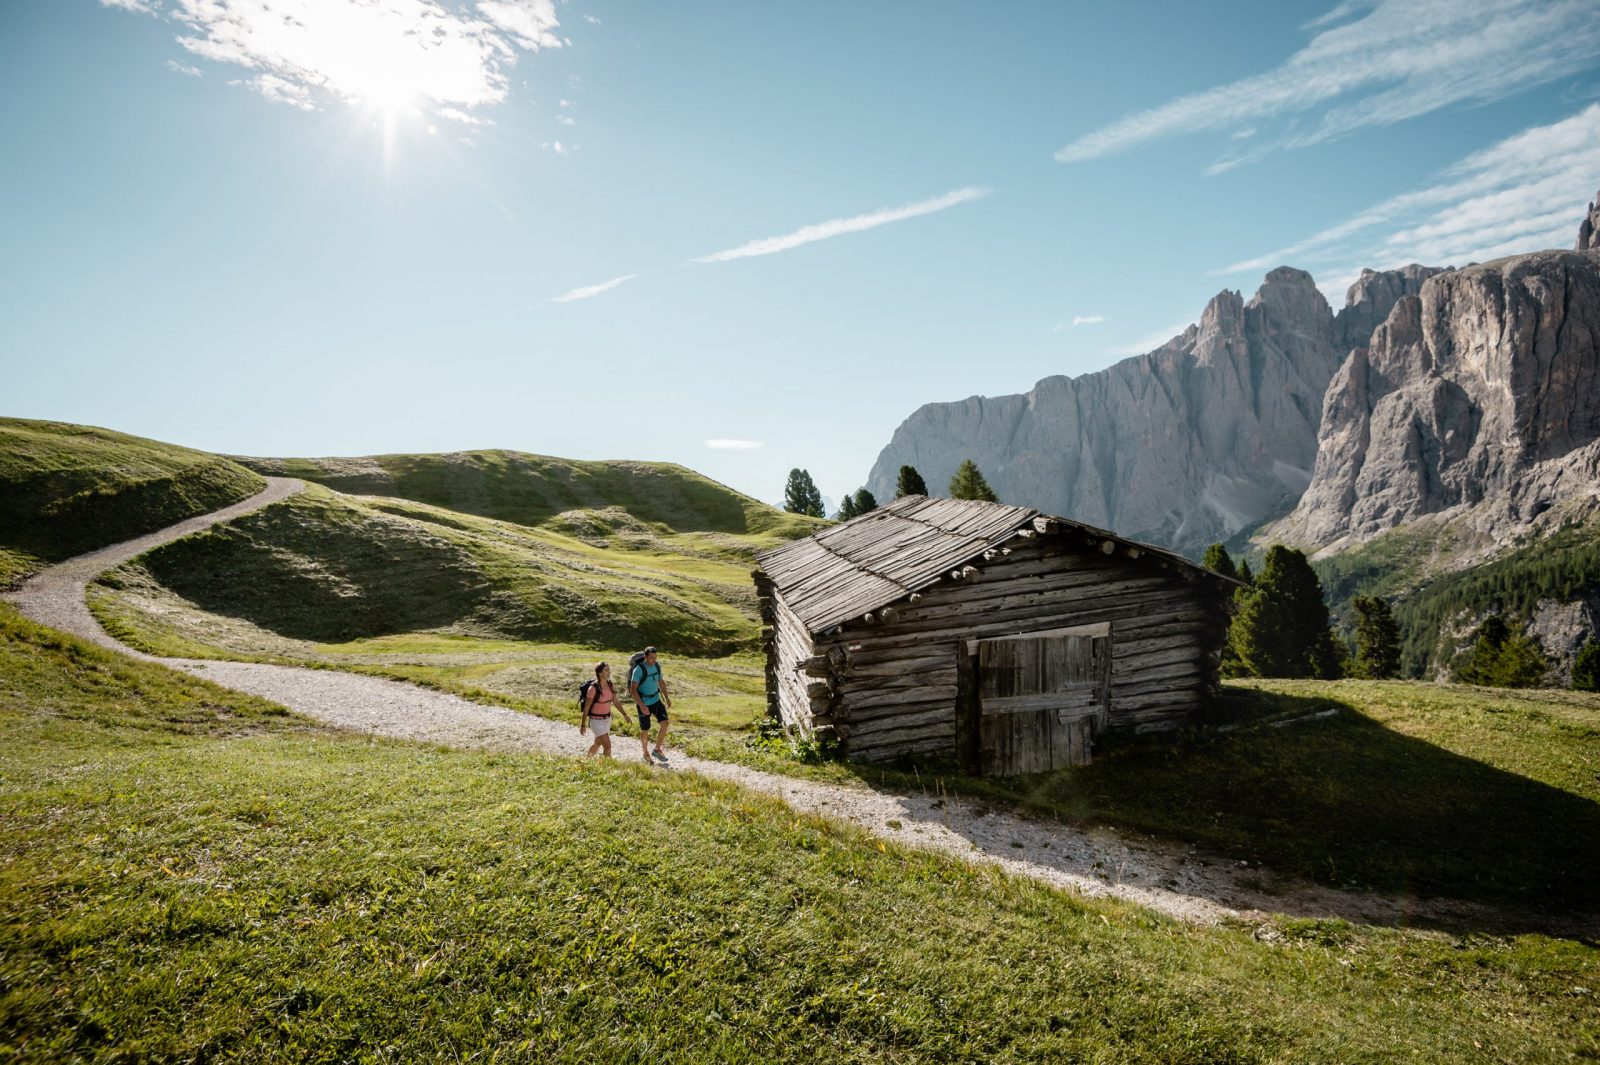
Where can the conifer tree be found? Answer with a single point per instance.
(968, 483)
(1245, 574)
(1504, 658)
(1217, 560)
(910, 483)
(865, 501)
(1282, 626)
(1377, 639)
(1586, 667)
(800, 495)
(1491, 637)
(847, 508)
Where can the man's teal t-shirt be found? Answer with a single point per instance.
(648, 678)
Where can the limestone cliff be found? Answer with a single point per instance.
(1207, 435)
(1477, 400)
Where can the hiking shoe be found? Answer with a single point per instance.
(660, 755)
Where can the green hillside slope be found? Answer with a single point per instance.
(186, 875)
(1419, 569)
(616, 504)
(67, 489)
(329, 568)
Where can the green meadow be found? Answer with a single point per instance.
(66, 489)
(188, 873)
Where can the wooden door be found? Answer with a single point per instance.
(1040, 699)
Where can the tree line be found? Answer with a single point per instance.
(801, 495)
(1282, 628)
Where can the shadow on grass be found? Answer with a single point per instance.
(1343, 802)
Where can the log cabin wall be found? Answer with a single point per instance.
(789, 647)
(894, 683)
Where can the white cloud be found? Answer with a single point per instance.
(733, 445)
(840, 226)
(592, 20)
(143, 7)
(592, 290)
(1523, 193)
(1399, 59)
(457, 115)
(276, 89)
(182, 68)
(566, 120)
(392, 54)
(531, 23)
(1149, 342)
(1088, 319)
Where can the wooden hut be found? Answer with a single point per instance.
(1000, 636)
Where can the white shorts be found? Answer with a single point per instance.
(600, 726)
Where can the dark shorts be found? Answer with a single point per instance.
(646, 709)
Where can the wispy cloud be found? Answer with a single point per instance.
(184, 69)
(1088, 319)
(722, 444)
(455, 114)
(838, 227)
(592, 290)
(1150, 341)
(384, 53)
(1399, 59)
(1523, 193)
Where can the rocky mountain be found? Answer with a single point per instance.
(1207, 435)
(1589, 228)
(1478, 398)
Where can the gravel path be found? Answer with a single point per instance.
(1172, 879)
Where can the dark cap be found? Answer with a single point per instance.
(649, 650)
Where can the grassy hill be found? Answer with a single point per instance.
(329, 568)
(188, 873)
(67, 489)
(614, 504)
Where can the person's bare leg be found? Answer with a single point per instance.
(661, 738)
(605, 745)
(644, 743)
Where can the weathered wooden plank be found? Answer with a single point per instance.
(868, 697)
(998, 623)
(941, 717)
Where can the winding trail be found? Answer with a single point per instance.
(1172, 879)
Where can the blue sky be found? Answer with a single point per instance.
(607, 230)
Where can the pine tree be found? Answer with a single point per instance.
(865, 501)
(847, 508)
(1282, 626)
(1586, 667)
(968, 483)
(1377, 639)
(1520, 664)
(910, 483)
(800, 495)
(1245, 574)
(1486, 645)
(1217, 560)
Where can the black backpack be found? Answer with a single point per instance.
(583, 693)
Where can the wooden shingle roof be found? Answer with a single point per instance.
(881, 557)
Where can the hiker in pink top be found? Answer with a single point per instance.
(599, 700)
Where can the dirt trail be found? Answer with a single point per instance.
(1172, 879)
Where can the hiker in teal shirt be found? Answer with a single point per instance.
(649, 693)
